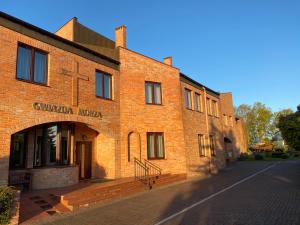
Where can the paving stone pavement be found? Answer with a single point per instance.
(269, 198)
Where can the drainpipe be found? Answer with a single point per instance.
(207, 129)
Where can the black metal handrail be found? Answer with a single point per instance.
(154, 170)
(141, 171)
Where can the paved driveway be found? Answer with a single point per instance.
(254, 193)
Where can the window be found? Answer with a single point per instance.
(188, 98)
(225, 120)
(212, 145)
(18, 151)
(198, 102)
(64, 145)
(155, 146)
(215, 109)
(201, 143)
(51, 144)
(153, 93)
(38, 147)
(31, 64)
(230, 121)
(103, 85)
(209, 107)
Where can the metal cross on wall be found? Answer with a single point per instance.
(76, 76)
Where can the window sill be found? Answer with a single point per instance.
(194, 110)
(217, 117)
(108, 99)
(31, 82)
(154, 104)
(156, 159)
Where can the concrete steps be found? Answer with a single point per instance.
(114, 190)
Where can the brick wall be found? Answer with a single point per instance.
(126, 117)
(17, 98)
(138, 117)
(195, 123)
(241, 136)
(54, 177)
(234, 129)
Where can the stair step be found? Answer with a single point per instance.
(94, 190)
(88, 200)
(103, 193)
(170, 179)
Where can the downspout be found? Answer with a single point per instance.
(182, 106)
(207, 129)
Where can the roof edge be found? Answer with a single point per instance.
(199, 84)
(56, 37)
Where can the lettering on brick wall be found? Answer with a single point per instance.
(66, 110)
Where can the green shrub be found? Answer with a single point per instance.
(293, 154)
(268, 154)
(278, 149)
(277, 154)
(258, 157)
(6, 199)
(284, 156)
(243, 157)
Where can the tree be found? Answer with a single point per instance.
(258, 120)
(244, 112)
(289, 126)
(283, 112)
(263, 117)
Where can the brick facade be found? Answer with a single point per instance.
(140, 118)
(125, 119)
(17, 98)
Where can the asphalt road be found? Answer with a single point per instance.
(246, 193)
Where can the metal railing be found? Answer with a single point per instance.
(146, 171)
(141, 172)
(154, 170)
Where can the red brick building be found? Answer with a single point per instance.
(77, 105)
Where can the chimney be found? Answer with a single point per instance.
(120, 36)
(168, 60)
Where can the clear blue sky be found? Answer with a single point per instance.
(251, 48)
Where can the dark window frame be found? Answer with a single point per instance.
(212, 145)
(209, 106)
(199, 103)
(152, 83)
(32, 59)
(103, 91)
(186, 90)
(156, 134)
(44, 150)
(24, 166)
(35, 146)
(215, 109)
(201, 145)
